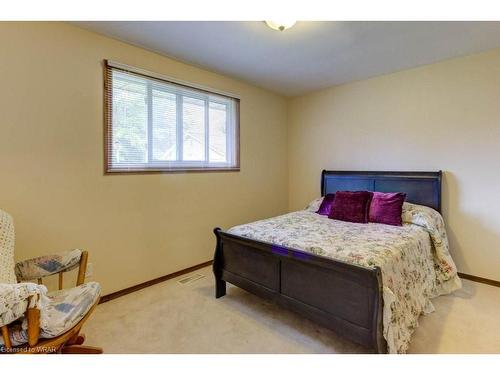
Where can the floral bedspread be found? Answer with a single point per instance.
(414, 258)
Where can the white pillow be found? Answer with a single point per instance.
(314, 205)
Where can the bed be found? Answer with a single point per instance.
(367, 282)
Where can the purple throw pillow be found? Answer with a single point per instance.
(387, 208)
(326, 205)
(351, 206)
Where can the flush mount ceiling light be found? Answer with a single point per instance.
(280, 25)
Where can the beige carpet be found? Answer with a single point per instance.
(174, 318)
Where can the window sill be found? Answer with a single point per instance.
(176, 170)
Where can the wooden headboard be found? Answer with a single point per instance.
(420, 187)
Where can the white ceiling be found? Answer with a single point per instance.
(309, 56)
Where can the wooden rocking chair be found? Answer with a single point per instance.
(33, 320)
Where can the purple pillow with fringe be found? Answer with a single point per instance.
(387, 208)
(326, 205)
(351, 206)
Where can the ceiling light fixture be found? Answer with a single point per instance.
(280, 25)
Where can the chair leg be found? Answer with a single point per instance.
(81, 349)
(77, 339)
(80, 339)
(6, 337)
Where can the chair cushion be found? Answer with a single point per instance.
(18, 335)
(7, 275)
(47, 265)
(67, 307)
(64, 309)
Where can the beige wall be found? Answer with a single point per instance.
(441, 116)
(136, 227)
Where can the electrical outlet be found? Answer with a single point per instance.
(90, 270)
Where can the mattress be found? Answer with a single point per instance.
(414, 259)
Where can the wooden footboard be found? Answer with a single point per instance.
(343, 297)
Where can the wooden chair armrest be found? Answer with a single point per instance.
(82, 268)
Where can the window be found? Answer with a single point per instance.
(157, 125)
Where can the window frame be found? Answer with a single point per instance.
(163, 166)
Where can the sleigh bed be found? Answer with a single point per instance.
(344, 297)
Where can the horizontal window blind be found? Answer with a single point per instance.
(156, 125)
